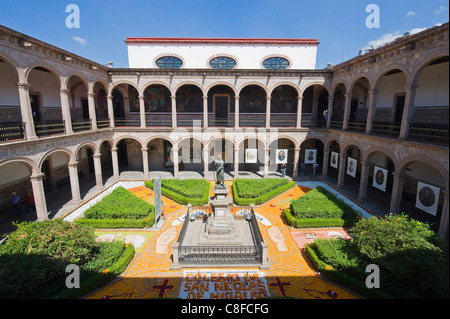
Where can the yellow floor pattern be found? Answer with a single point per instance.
(149, 274)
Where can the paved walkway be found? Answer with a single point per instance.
(149, 274)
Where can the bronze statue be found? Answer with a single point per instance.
(219, 165)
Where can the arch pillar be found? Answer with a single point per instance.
(363, 182)
(326, 157)
(341, 174)
(443, 224)
(268, 105)
(397, 191)
(74, 182)
(330, 110)
(174, 111)
(145, 166)
(348, 100)
(296, 160)
(299, 112)
(25, 110)
(142, 111)
(236, 112)
(39, 197)
(371, 111)
(115, 162)
(408, 111)
(65, 110)
(176, 161)
(92, 112)
(109, 100)
(98, 170)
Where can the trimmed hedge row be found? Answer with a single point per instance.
(343, 278)
(318, 222)
(253, 188)
(100, 279)
(179, 198)
(120, 209)
(263, 198)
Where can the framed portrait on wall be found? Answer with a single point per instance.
(251, 156)
(427, 198)
(281, 156)
(310, 156)
(379, 178)
(351, 166)
(334, 160)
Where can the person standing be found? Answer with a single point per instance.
(325, 117)
(15, 199)
(31, 205)
(302, 168)
(315, 169)
(283, 170)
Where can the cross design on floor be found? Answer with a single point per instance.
(163, 287)
(280, 285)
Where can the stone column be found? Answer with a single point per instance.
(92, 112)
(266, 162)
(299, 112)
(205, 111)
(65, 110)
(112, 124)
(205, 161)
(74, 183)
(115, 163)
(443, 224)
(39, 197)
(98, 170)
(371, 111)
(145, 167)
(408, 111)
(268, 105)
(397, 192)
(330, 111)
(25, 110)
(325, 164)
(296, 160)
(236, 111)
(348, 100)
(176, 161)
(341, 173)
(236, 163)
(142, 111)
(174, 111)
(363, 182)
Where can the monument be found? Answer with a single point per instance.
(213, 236)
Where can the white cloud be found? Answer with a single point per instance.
(389, 37)
(410, 13)
(80, 40)
(440, 10)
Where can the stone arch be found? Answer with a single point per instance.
(416, 72)
(42, 64)
(379, 76)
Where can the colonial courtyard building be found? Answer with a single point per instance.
(68, 123)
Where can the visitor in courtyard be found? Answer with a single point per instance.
(31, 206)
(325, 117)
(315, 168)
(283, 170)
(15, 199)
(302, 168)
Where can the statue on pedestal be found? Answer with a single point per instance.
(219, 165)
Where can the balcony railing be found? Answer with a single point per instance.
(12, 131)
(159, 123)
(124, 122)
(283, 121)
(48, 128)
(78, 126)
(313, 124)
(336, 125)
(221, 122)
(386, 129)
(103, 123)
(430, 134)
(357, 126)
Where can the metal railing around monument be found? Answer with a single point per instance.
(221, 254)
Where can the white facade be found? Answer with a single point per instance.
(197, 53)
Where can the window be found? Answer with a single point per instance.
(222, 63)
(169, 62)
(276, 63)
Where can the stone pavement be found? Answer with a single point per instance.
(290, 275)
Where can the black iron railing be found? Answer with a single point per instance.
(48, 128)
(12, 131)
(220, 254)
(84, 125)
(355, 126)
(103, 123)
(430, 134)
(124, 122)
(221, 122)
(159, 123)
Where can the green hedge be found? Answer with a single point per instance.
(341, 277)
(120, 209)
(100, 279)
(175, 194)
(318, 222)
(262, 198)
(253, 188)
(321, 203)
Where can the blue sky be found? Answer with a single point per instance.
(340, 26)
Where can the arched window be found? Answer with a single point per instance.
(169, 62)
(223, 63)
(276, 63)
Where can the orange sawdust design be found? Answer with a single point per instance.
(149, 274)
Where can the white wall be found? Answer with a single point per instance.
(198, 56)
(388, 87)
(9, 94)
(47, 85)
(433, 86)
